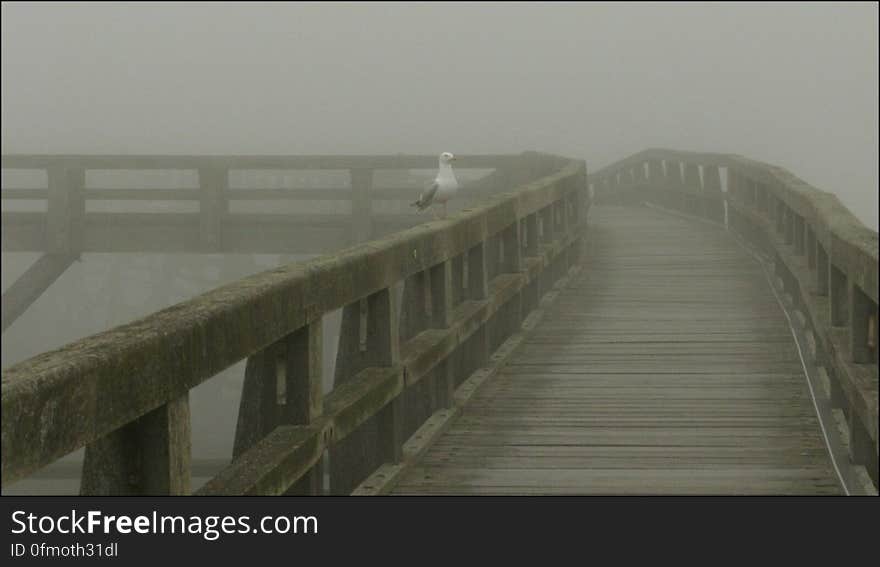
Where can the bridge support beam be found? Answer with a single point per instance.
(31, 285)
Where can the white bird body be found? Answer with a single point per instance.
(442, 188)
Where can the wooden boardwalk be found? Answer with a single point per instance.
(667, 367)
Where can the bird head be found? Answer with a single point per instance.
(446, 157)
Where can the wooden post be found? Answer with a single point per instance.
(476, 351)
(374, 343)
(839, 297)
(213, 206)
(416, 305)
(713, 194)
(862, 309)
(780, 216)
(66, 210)
(149, 456)
(548, 227)
(862, 451)
(639, 173)
(283, 386)
(383, 345)
(674, 184)
(512, 264)
(512, 261)
(361, 205)
(694, 187)
(798, 226)
(478, 282)
(531, 235)
(531, 295)
(822, 273)
(810, 243)
(441, 295)
(561, 215)
(441, 318)
(788, 225)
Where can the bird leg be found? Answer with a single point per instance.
(445, 210)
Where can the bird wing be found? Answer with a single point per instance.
(427, 195)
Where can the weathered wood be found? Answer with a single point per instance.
(25, 290)
(149, 456)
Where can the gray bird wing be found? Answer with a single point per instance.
(427, 195)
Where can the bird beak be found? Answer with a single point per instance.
(453, 158)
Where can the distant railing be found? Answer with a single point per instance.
(67, 227)
(826, 258)
(468, 282)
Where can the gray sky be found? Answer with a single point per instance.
(794, 85)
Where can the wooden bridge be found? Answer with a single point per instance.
(674, 323)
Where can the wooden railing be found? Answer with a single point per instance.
(825, 257)
(468, 282)
(67, 227)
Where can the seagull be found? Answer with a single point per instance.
(440, 189)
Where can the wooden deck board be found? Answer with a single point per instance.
(666, 368)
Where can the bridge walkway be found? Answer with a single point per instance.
(667, 366)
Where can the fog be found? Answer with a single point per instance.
(790, 84)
